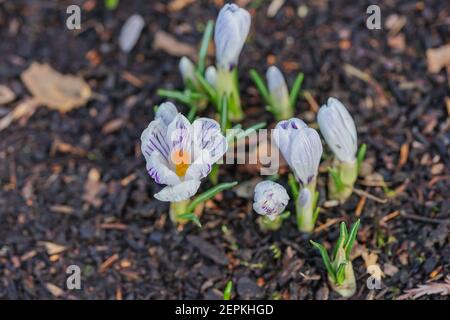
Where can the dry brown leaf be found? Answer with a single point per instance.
(177, 5)
(442, 288)
(6, 95)
(55, 90)
(54, 290)
(92, 188)
(166, 42)
(438, 58)
(52, 248)
(25, 108)
(113, 125)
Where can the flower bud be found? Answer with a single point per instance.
(279, 92)
(187, 70)
(211, 75)
(270, 199)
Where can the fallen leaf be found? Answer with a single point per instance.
(438, 58)
(166, 42)
(6, 95)
(130, 32)
(25, 108)
(177, 5)
(54, 290)
(55, 90)
(273, 8)
(442, 288)
(113, 125)
(52, 248)
(92, 188)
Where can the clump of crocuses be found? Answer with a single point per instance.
(301, 147)
(337, 127)
(339, 267)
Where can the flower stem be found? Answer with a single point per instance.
(305, 211)
(266, 225)
(347, 173)
(177, 208)
(227, 85)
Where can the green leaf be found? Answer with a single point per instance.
(293, 185)
(214, 174)
(250, 130)
(296, 89)
(285, 215)
(210, 194)
(224, 113)
(348, 246)
(176, 95)
(336, 179)
(341, 240)
(227, 290)
(259, 82)
(111, 4)
(325, 258)
(210, 91)
(207, 34)
(192, 113)
(340, 273)
(361, 155)
(315, 215)
(191, 217)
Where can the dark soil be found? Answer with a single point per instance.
(122, 238)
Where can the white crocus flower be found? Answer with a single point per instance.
(187, 70)
(301, 148)
(232, 27)
(211, 76)
(179, 154)
(338, 129)
(278, 89)
(270, 199)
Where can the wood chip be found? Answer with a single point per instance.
(59, 208)
(404, 153)
(24, 109)
(113, 125)
(438, 58)
(360, 206)
(178, 5)
(54, 290)
(52, 248)
(6, 95)
(166, 42)
(273, 8)
(55, 90)
(108, 263)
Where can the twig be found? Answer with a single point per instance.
(423, 219)
(363, 193)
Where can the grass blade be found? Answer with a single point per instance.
(191, 217)
(294, 186)
(210, 91)
(340, 273)
(341, 240)
(209, 194)
(296, 89)
(348, 246)
(227, 290)
(259, 82)
(207, 34)
(325, 258)
(224, 113)
(336, 179)
(361, 155)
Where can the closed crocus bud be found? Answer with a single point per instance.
(187, 70)
(270, 199)
(279, 93)
(232, 27)
(211, 75)
(338, 129)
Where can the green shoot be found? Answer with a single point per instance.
(361, 155)
(295, 90)
(210, 194)
(204, 46)
(227, 290)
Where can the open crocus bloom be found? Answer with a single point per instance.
(179, 154)
(232, 27)
(338, 129)
(270, 199)
(300, 146)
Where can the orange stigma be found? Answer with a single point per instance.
(181, 159)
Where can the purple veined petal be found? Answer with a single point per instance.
(208, 136)
(306, 154)
(153, 138)
(179, 135)
(179, 192)
(158, 169)
(200, 167)
(166, 112)
(270, 199)
(304, 199)
(283, 133)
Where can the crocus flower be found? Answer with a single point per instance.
(187, 70)
(338, 129)
(279, 93)
(232, 27)
(270, 199)
(301, 148)
(211, 75)
(179, 154)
